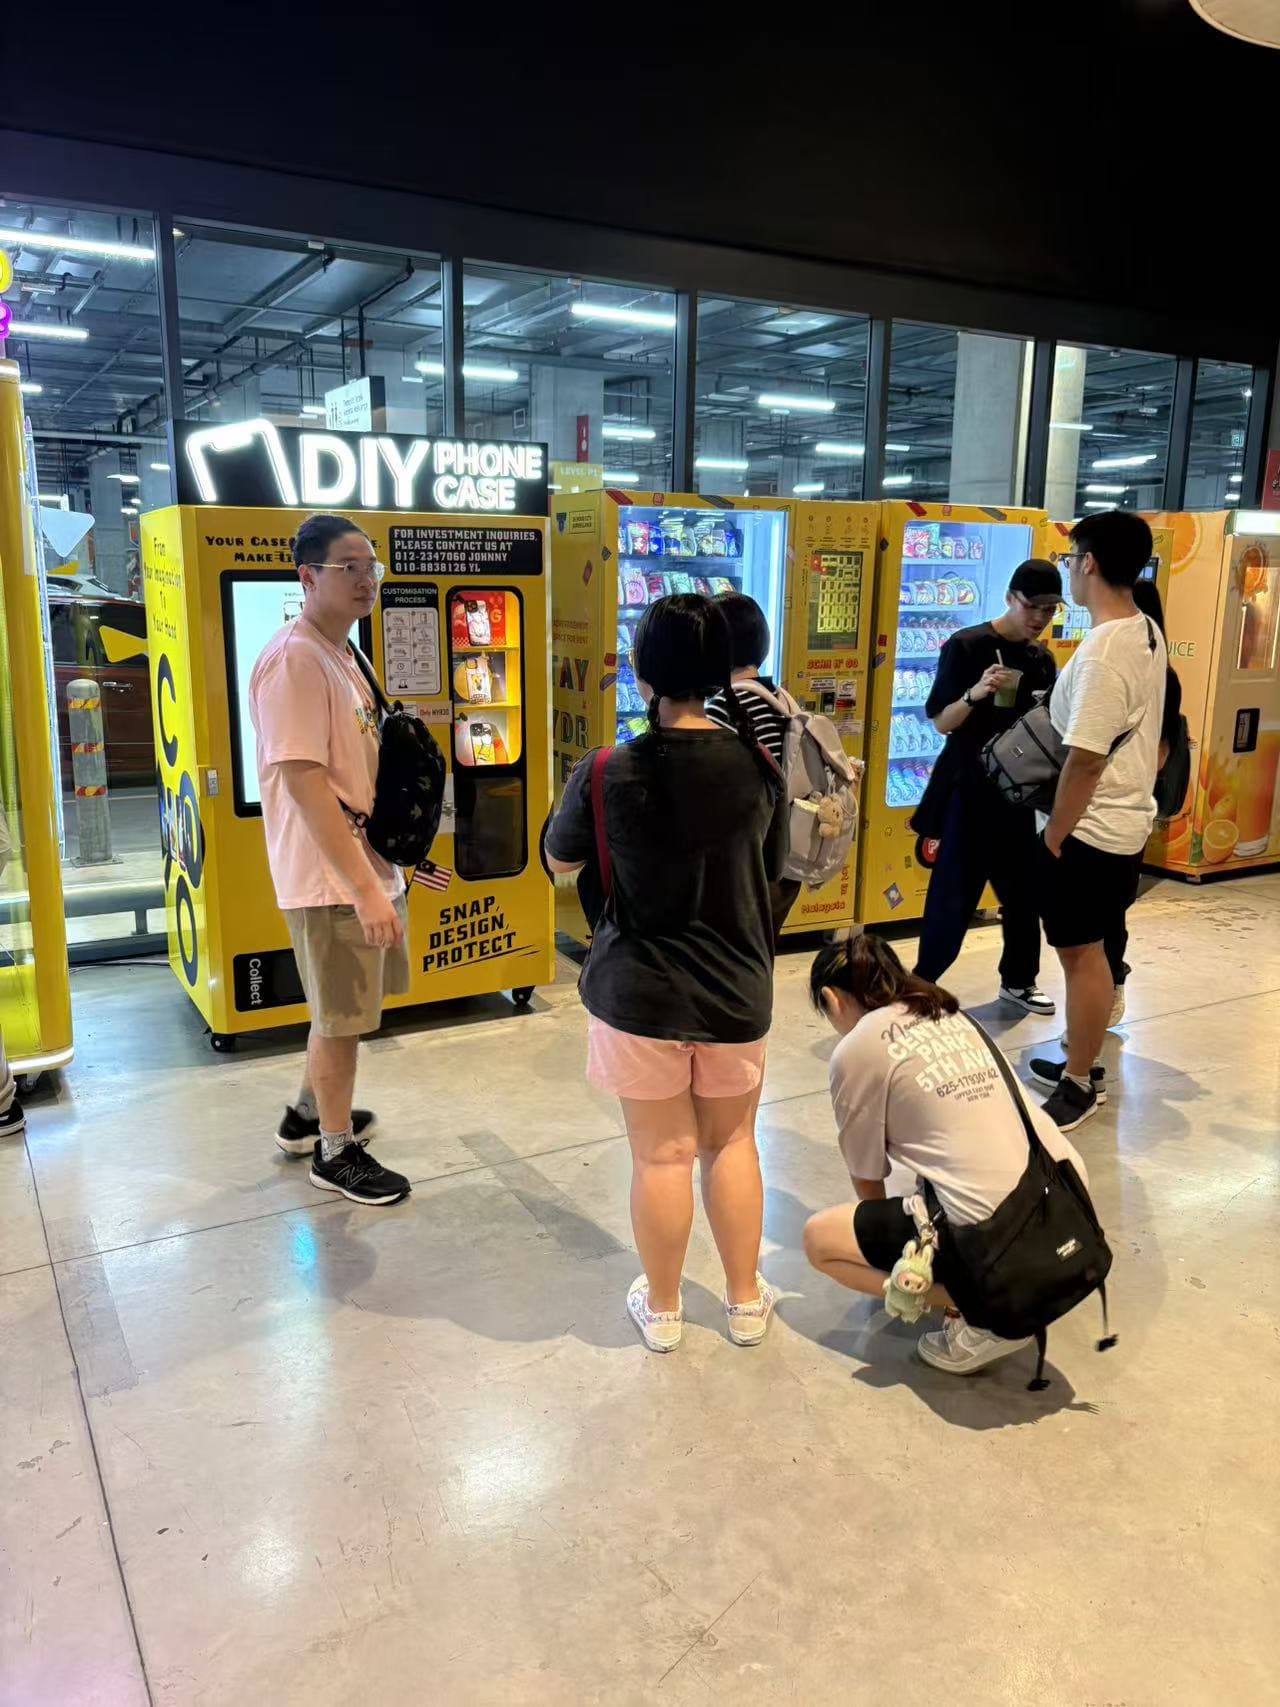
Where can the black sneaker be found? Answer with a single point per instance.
(13, 1120)
(1050, 1073)
(1027, 997)
(355, 1174)
(297, 1136)
(1068, 1107)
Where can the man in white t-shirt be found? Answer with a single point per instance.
(1107, 707)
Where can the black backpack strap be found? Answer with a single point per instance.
(1108, 1338)
(376, 688)
(1011, 1085)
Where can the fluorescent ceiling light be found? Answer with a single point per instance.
(896, 480)
(128, 509)
(729, 396)
(889, 446)
(1097, 504)
(782, 400)
(160, 468)
(52, 497)
(731, 464)
(411, 379)
(1111, 491)
(1236, 478)
(29, 388)
(621, 476)
(1071, 426)
(620, 432)
(623, 316)
(125, 479)
(47, 329)
(473, 370)
(75, 245)
(1124, 461)
(807, 486)
(831, 447)
(312, 409)
(1246, 391)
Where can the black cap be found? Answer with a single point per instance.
(1037, 579)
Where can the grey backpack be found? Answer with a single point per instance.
(821, 782)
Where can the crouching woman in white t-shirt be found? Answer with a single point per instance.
(913, 1082)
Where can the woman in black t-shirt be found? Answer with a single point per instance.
(678, 984)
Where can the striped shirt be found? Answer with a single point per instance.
(769, 729)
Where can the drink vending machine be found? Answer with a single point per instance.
(807, 564)
(941, 567)
(459, 634)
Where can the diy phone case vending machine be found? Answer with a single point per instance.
(941, 567)
(808, 566)
(459, 635)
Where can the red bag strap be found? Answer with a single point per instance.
(603, 755)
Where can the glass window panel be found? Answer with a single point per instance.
(1108, 430)
(781, 400)
(97, 412)
(270, 324)
(584, 367)
(1219, 423)
(957, 422)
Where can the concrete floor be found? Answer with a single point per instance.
(259, 1446)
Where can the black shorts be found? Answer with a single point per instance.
(1085, 894)
(882, 1227)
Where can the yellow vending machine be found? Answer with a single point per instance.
(1222, 613)
(35, 992)
(1071, 624)
(809, 567)
(459, 634)
(941, 567)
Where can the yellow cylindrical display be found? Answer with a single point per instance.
(35, 995)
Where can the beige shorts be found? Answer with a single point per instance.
(344, 979)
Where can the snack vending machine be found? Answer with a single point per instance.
(1222, 614)
(808, 566)
(941, 567)
(1072, 622)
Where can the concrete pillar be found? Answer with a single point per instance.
(1063, 468)
(557, 396)
(111, 541)
(986, 430)
(722, 439)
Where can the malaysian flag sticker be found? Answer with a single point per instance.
(433, 876)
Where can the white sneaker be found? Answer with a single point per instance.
(1029, 998)
(748, 1323)
(659, 1329)
(962, 1350)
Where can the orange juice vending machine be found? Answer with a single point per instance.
(615, 552)
(1223, 620)
(941, 567)
(459, 635)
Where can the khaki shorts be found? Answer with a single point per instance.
(344, 979)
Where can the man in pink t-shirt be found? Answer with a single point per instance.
(317, 728)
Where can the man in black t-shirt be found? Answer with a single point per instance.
(987, 677)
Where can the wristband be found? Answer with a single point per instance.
(967, 697)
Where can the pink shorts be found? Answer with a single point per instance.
(649, 1068)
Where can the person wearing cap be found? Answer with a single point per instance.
(988, 676)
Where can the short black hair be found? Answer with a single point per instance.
(748, 630)
(318, 533)
(1120, 543)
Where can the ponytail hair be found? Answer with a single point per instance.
(866, 968)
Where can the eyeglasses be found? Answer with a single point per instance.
(356, 571)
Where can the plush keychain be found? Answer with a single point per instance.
(906, 1291)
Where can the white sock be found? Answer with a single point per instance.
(333, 1143)
(306, 1105)
(1075, 1078)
